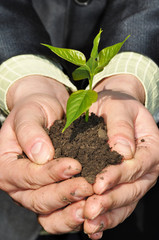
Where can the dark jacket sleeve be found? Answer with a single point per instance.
(21, 30)
(138, 18)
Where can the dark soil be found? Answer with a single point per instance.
(85, 141)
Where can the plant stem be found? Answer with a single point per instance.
(90, 81)
(87, 116)
(90, 87)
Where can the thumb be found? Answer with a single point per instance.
(40, 151)
(120, 129)
(31, 136)
(123, 146)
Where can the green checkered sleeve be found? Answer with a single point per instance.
(123, 63)
(24, 65)
(140, 66)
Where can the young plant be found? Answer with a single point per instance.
(80, 101)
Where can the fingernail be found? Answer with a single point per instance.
(96, 235)
(79, 194)
(99, 228)
(79, 214)
(40, 152)
(69, 172)
(123, 147)
(101, 211)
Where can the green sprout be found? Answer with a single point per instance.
(80, 101)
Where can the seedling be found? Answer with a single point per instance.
(80, 101)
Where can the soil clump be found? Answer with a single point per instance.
(86, 142)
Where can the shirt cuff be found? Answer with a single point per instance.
(141, 67)
(21, 66)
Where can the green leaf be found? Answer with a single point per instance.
(78, 103)
(73, 56)
(94, 52)
(107, 54)
(81, 73)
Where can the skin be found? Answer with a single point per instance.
(30, 181)
(133, 133)
(37, 183)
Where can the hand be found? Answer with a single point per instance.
(134, 134)
(40, 187)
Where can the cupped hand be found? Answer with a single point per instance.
(37, 182)
(134, 134)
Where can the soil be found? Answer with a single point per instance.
(85, 141)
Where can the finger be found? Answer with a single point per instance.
(65, 220)
(23, 174)
(95, 236)
(144, 161)
(108, 220)
(120, 196)
(54, 196)
(28, 124)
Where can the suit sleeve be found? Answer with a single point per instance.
(140, 19)
(21, 30)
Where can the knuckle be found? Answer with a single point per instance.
(31, 179)
(37, 204)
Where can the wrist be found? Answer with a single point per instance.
(36, 84)
(125, 83)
